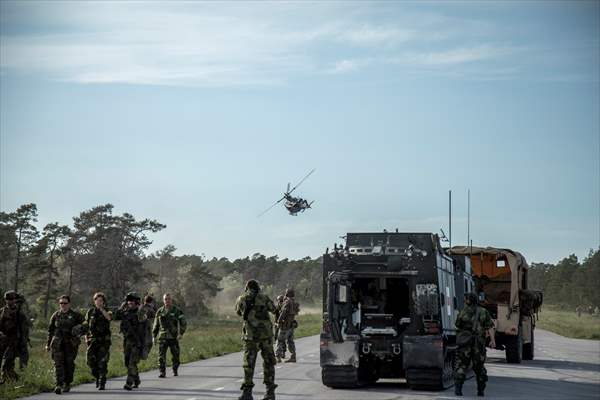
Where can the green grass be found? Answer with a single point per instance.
(207, 339)
(567, 323)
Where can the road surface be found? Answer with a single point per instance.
(564, 369)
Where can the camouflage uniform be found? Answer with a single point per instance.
(277, 314)
(98, 344)
(257, 334)
(287, 323)
(133, 327)
(474, 352)
(150, 310)
(14, 329)
(169, 323)
(64, 345)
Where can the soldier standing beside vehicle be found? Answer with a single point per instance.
(287, 324)
(169, 327)
(63, 342)
(257, 334)
(133, 327)
(97, 322)
(277, 313)
(473, 323)
(13, 331)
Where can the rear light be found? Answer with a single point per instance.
(431, 327)
(326, 327)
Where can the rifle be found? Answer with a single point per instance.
(249, 304)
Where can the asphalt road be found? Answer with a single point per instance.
(564, 369)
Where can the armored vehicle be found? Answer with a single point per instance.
(501, 282)
(389, 309)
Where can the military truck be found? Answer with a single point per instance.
(389, 309)
(501, 282)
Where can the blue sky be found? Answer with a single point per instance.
(198, 114)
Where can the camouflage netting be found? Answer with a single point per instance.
(531, 301)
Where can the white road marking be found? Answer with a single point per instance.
(278, 367)
(219, 388)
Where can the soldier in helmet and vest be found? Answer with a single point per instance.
(473, 324)
(254, 307)
(287, 324)
(64, 333)
(14, 329)
(133, 327)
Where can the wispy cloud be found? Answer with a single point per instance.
(215, 45)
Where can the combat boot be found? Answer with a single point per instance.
(66, 388)
(175, 369)
(102, 384)
(127, 386)
(246, 395)
(58, 390)
(458, 389)
(270, 395)
(480, 389)
(292, 358)
(162, 373)
(97, 382)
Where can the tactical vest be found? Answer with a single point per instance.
(99, 326)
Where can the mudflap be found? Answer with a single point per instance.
(428, 362)
(340, 365)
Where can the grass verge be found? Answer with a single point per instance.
(208, 339)
(567, 323)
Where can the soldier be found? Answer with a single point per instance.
(257, 334)
(473, 324)
(26, 325)
(277, 313)
(149, 308)
(287, 323)
(13, 330)
(63, 342)
(133, 327)
(97, 324)
(169, 327)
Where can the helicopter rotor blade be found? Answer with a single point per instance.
(303, 179)
(273, 205)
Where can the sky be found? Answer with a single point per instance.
(198, 114)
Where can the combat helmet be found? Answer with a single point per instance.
(252, 284)
(133, 296)
(11, 295)
(289, 292)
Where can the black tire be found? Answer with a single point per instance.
(529, 348)
(514, 348)
(340, 377)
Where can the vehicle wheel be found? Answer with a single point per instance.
(529, 348)
(514, 348)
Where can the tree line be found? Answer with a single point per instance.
(569, 283)
(103, 251)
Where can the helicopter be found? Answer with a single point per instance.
(294, 205)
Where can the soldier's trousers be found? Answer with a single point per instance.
(8, 353)
(63, 357)
(475, 355)
(133, 354)
(285, 339)
(163, 345)
(251, 349)
(98, 354)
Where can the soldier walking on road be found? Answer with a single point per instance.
(278, 306)
(133, 327)
(257, 334)
(149, 308)
(473, 324)
(63, 342)
(97, 323)
(287, 324)
(14, 329)
(169, 327)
